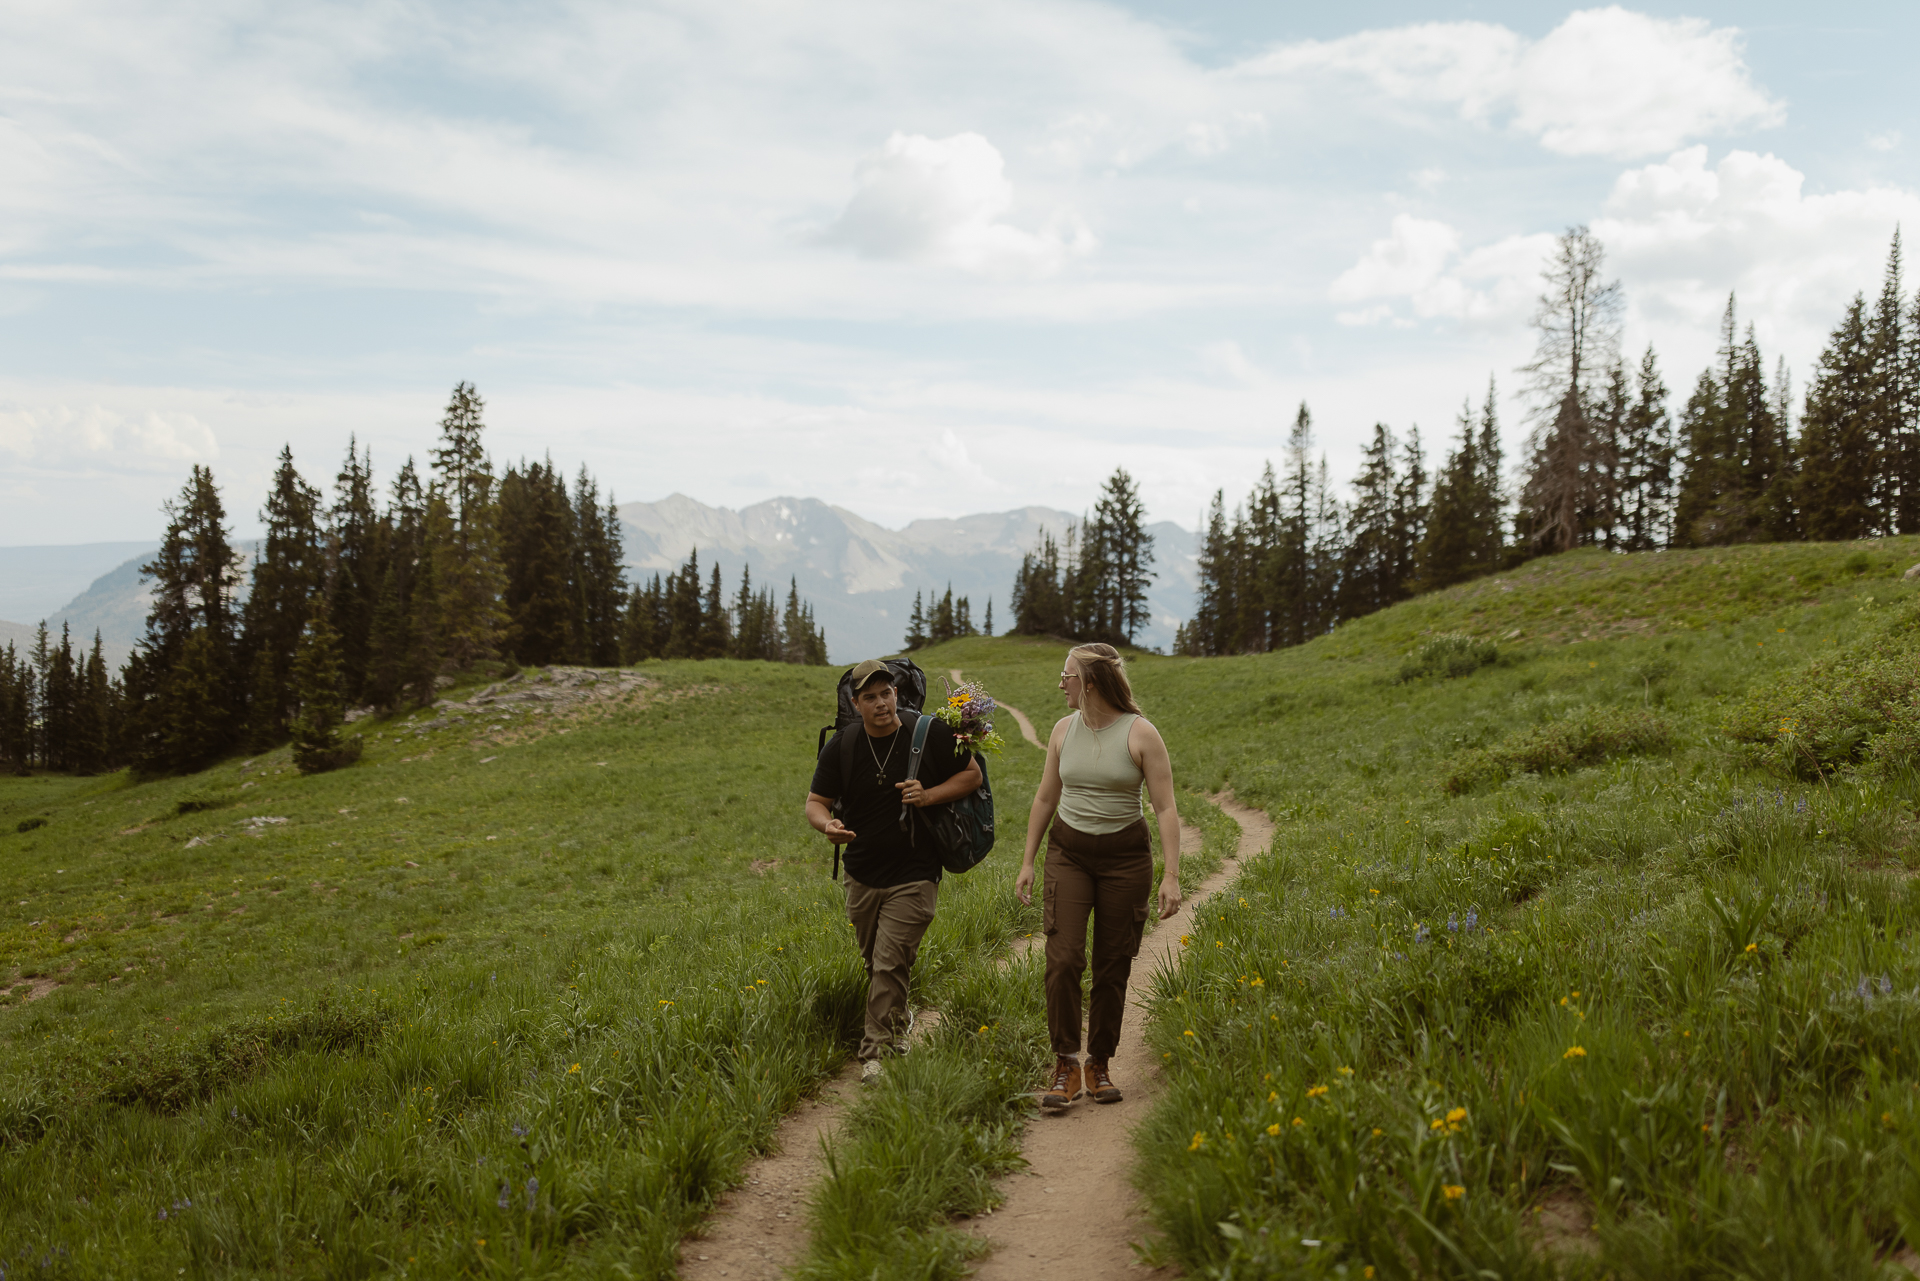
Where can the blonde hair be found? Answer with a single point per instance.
(1103, 671)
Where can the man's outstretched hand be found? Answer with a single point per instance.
(837, 832)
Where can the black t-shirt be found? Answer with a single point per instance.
(882, 853)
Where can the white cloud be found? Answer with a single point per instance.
(1422, 262)
(1682, 233)
(94, 437)
(1605, 82)
(941, 200)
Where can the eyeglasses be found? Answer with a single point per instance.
(1069, 676)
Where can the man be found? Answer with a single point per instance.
(892, 868)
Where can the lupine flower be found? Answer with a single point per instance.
(1453, 923)
(1421, 934)
(533, 1190)
(1886, 986)
(505, 1192)
(1473, 919)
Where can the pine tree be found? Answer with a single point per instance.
(464, 537)
(1891, 410)
(16, 700)
(1407, 529)
(1838, 451)
(646, 626)
(1118, 588)
(986, 624)
(183, 696)
(317, 746)
(916, 637)
(287, 576)
(715, 634)
(1370, 578)
(1447, 553)
(1577, 320)
(357, 552)
(1646, 463)
(601, 571)
(194, 717)
(403, 644)
(538, 555)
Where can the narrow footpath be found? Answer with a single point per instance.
(1073, 1212)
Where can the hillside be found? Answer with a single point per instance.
(1647, 1011)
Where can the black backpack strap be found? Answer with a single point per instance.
(847, 745)
(922, 726)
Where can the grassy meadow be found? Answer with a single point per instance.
(1567, 960)
(502, 999)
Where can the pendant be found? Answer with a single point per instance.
(880, 780)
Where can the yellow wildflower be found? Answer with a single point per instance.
(573, 1069)
(1314, 1092)
(1274, 1129)
(1298, 1121)
(1199, 1141)
(1453, 1191)
(1574, 1052)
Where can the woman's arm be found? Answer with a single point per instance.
(1151, 751)
(1046, 799)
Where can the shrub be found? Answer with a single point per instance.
(1448, 655)
(28, 824)
(1859, 708)
(1587, 737)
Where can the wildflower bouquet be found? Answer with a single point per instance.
(969, 714)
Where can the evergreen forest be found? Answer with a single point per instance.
(354, 602)
(1607, 463)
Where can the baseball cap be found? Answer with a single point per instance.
(867, 671)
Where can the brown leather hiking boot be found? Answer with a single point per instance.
(1065, 1088)
(1099, 1084)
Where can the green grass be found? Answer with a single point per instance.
(346, 1045)
(1665, 986)
(531, 1018)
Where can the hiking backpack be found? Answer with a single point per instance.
(961, 829)
(958, 836)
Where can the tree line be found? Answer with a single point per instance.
(350, 601)
(1092, 583)
(1605, 465)
(946, 618)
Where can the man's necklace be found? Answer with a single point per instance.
(880, 766)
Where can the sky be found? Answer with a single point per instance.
(915, 260)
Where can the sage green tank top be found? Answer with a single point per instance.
(1100, 784)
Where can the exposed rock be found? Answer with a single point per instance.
(1912, 573)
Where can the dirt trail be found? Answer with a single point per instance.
(759, 1230)
(1073, 1212)
(1019, 717)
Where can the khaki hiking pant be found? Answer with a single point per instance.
(1108, 878)
(888, 924)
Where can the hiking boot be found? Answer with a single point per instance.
(1099, 1084)
(1065, 1088)
(870, 1071)
(905, 1040)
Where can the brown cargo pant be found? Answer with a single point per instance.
(888, 924)
(1109, 878)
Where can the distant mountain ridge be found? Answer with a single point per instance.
(860, 576)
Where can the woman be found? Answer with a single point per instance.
(1099, 862)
